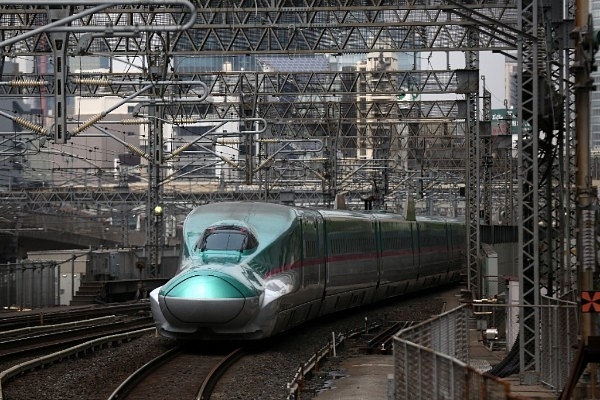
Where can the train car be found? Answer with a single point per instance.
(250, 270)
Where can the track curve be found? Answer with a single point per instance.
(190, 374)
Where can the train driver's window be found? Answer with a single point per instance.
(230, 238)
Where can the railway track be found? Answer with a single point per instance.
(191, 375)
(17, 320)
(381, 343)
(23, 343)
(70, 352)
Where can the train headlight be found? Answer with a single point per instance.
(282, 284)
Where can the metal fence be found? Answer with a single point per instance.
(27, 285)
(447, 333)
(431, 358)
(559, 340)
(430, 362)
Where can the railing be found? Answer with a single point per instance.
(431, 358)
(430, 362)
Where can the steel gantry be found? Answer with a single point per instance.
(365, 128)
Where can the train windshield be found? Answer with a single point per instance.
(227, 238)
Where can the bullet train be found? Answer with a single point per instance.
(250, 270)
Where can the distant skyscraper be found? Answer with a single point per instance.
(512, 83)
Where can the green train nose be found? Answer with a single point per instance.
(203, 287)
(204, 299)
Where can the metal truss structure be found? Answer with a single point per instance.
(416, 147)
(546, 164)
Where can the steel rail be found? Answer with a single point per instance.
(132, 380)
(217, 372)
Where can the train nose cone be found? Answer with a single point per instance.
(202, 299)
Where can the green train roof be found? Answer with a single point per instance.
(271, 220)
